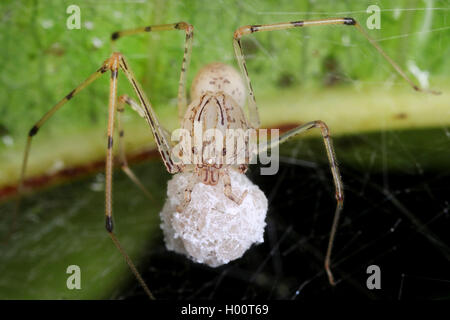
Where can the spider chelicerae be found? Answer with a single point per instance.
(218, 97)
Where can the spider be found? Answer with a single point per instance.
(219, 93)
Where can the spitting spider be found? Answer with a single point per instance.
(218, 97)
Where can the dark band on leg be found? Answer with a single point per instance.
(109, 224)
(349, 21)
(254, 28)
(70, 95)
(103, 69)
(33, 131)
(110, 142)
(115, 35)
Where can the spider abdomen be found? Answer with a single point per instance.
(216, 77)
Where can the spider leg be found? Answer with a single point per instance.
(229, 192)
(245, 30)
(113, 64)
(339, 186)
(189, 30)
(34, 130)
(161, 139)
(122, 154)
(187, 193)
(140, 110)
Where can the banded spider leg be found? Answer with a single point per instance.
(254, 114)
(114, 63)
(338, 184)
(249, 29)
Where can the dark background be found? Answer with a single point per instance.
(397, 221)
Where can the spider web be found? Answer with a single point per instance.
(396, 218)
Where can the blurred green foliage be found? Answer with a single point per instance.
(41, 60)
